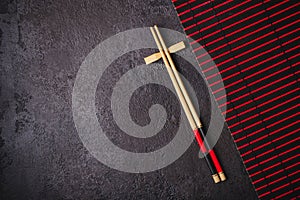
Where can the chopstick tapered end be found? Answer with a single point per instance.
(222, 176)
(216, 178)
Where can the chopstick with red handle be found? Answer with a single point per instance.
(209, 153)
(188, 108)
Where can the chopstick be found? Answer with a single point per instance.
(195, 123)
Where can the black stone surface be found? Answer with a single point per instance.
(43, 44)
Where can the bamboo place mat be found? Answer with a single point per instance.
(254, 47)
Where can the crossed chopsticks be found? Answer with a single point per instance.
(192, 116)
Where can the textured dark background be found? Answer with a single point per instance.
(43, 44)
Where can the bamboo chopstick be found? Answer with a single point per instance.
(191, 107)
(173, 79)
(176, 82)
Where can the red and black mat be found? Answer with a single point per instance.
(254, 45)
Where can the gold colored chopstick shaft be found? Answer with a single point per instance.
(185, 94)
(190, 107)
(174, 81)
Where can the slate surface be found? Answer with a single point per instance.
(43, 44)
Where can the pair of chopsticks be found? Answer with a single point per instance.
(192, 116)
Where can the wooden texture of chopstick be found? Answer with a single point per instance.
(188, 106)
(174, 81)
(185, 94)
